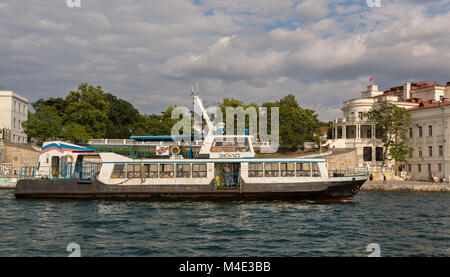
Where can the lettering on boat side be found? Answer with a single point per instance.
(229, 156)
(249, 266)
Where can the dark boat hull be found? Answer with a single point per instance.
(73, 189)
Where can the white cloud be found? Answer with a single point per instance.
(150, 52)
(312, 9)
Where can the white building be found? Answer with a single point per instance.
(13, 112)
(428, 136)
(355, 131)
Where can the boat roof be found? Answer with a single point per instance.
(163, 138)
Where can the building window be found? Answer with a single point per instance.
(430, 130)
(351, 131)
(430, 151)
(440, 167)
(379, 154)
(378, 132)
(339, 132)
(441, 151)
(367, 154)
(420, 152)
(420, 131)
(409, 167)
(360, 115)
(410, 132)
(419, 167)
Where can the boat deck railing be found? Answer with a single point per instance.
(359, 171)
(86, 171)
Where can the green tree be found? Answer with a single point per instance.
(154, 125)
(121, 117)
(75, 132)
(234, 103)
(297, 125)
(391, 126)
(88, 107)
(43, 124)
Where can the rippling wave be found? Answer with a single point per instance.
(411, 224)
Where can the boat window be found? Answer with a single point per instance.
(118, 171)
(224, 145)
(255, 170)
(198, 170)
(243, 145)
(134, 171)
(166, 170)
(150, 171)
(271, 169)
(303, 169)
(315, 170)
(183, 170)
(287, 169)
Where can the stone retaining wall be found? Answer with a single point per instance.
(19, 155)
(405, 186)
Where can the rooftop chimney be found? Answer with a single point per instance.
(407, 91)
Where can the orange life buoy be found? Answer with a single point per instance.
(175, 150)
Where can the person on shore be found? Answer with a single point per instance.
(384, 179)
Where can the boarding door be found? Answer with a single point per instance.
(55, 167)
(227, 175)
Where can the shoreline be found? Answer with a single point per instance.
(405, 186)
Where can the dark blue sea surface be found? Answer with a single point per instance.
(403, 224)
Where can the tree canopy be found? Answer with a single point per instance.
(392, 126)
(89, 112)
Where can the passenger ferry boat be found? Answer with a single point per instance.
(224, 169)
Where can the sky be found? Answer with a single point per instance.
(151, 52)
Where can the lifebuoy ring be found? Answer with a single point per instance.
(175, 150)
(69, 157)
